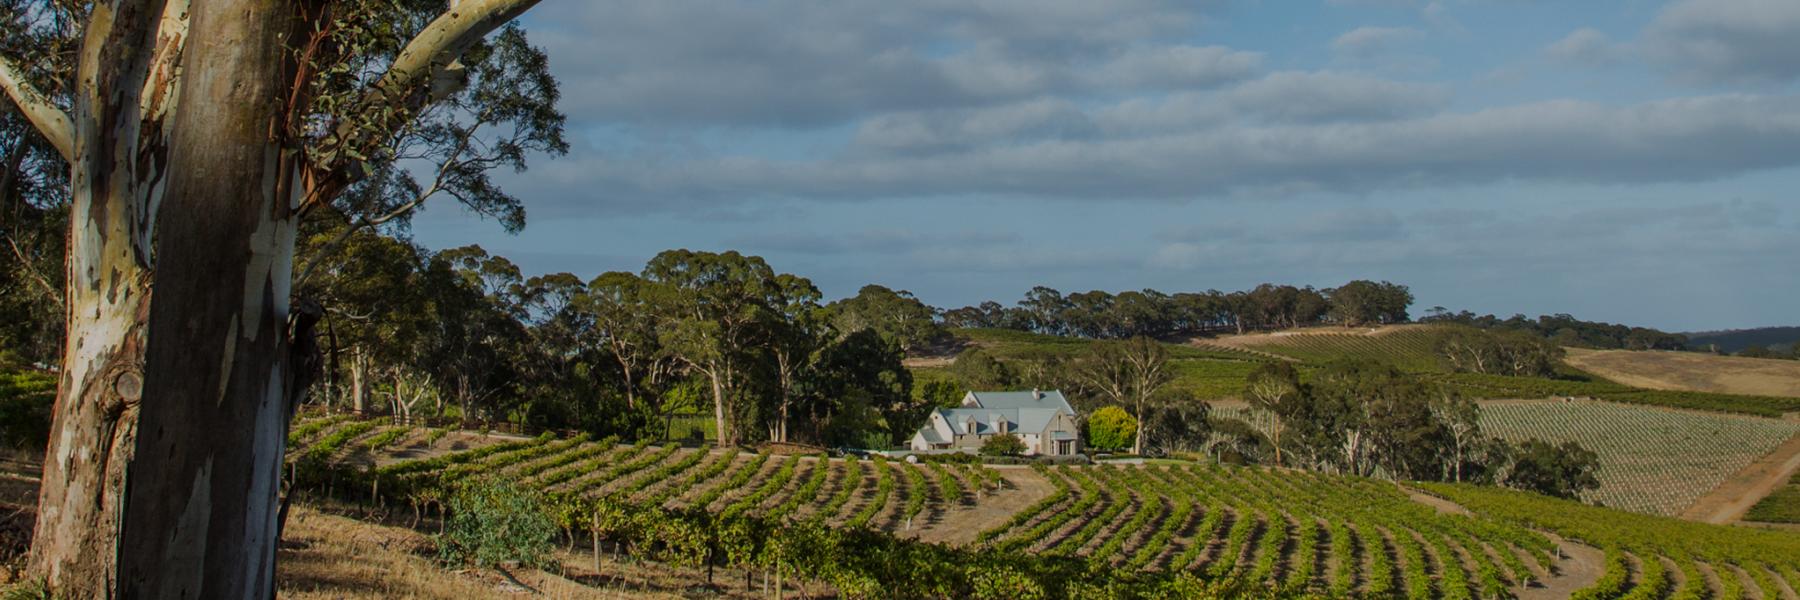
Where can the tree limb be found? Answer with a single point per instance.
(50, 120)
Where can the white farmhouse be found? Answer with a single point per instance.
(1042, 419)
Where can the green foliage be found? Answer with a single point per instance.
(493, 522)
(978, 370)
(1111, 428)
(1780, 506)
(1563, 471)
(895, 315)
(26, 398)
(937, 388)
(1005, 444)
(1641, 535)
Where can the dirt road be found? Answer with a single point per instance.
(1728, 502)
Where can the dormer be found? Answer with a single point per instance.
(999, 423)
(970, 425)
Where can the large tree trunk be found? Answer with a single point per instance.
(200, 510)
(117, 158)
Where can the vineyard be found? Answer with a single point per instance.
(1296, 532)
(1780, 506)
(1409, 348)
(1182, 528)
(878, 494)
(1648, 556)
(1652, 461)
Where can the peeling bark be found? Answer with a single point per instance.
(166, 439)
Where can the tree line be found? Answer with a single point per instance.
(1565, 330)
(461, 332)
(1099, 314)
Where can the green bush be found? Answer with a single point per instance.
(1111, 428)
(493, 522)
(1005, 444)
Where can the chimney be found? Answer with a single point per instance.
(1036, 395)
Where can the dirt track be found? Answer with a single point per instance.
(1728, 502)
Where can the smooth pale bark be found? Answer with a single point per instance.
(166, 439)
(118, 160)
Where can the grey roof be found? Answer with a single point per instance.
(1050, 399)
(1062, 435)
(1018, 420)
(930, 434)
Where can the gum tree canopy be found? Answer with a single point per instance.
(197, 134)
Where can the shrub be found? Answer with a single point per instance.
(493, 522)
(1111, 428)
(1005, 444)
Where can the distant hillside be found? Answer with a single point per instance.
(1739, 339)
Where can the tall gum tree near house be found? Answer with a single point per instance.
(162, 472)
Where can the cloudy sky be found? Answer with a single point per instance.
(1633, 161)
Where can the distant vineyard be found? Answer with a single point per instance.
(1651, 557)
(1652, 461)
(1296, 532)
(1410, 349)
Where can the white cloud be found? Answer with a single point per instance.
(1586, 46)
(1364, 42)
(1566, 141)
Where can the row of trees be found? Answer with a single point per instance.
(1565, 330)
(1367, 419)
(1102, 315)
(462, 332)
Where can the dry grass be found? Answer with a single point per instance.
(326, 556)
(1692, 371)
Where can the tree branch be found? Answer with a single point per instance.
(50, 120)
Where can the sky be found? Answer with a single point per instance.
(1628, 161)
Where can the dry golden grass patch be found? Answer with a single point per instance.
(1692, 371)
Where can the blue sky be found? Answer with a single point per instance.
(1630, 161)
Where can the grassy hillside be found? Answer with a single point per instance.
(1692, 371)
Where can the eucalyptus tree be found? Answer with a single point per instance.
(624, 314)
(198, 134)
(715, 305)
(1275, 387)
(795, 336)
(1130, 373)
(897, 315)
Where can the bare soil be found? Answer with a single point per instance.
(1580, 567)
(959, 526)
(1734, 497)
(1691, 371)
